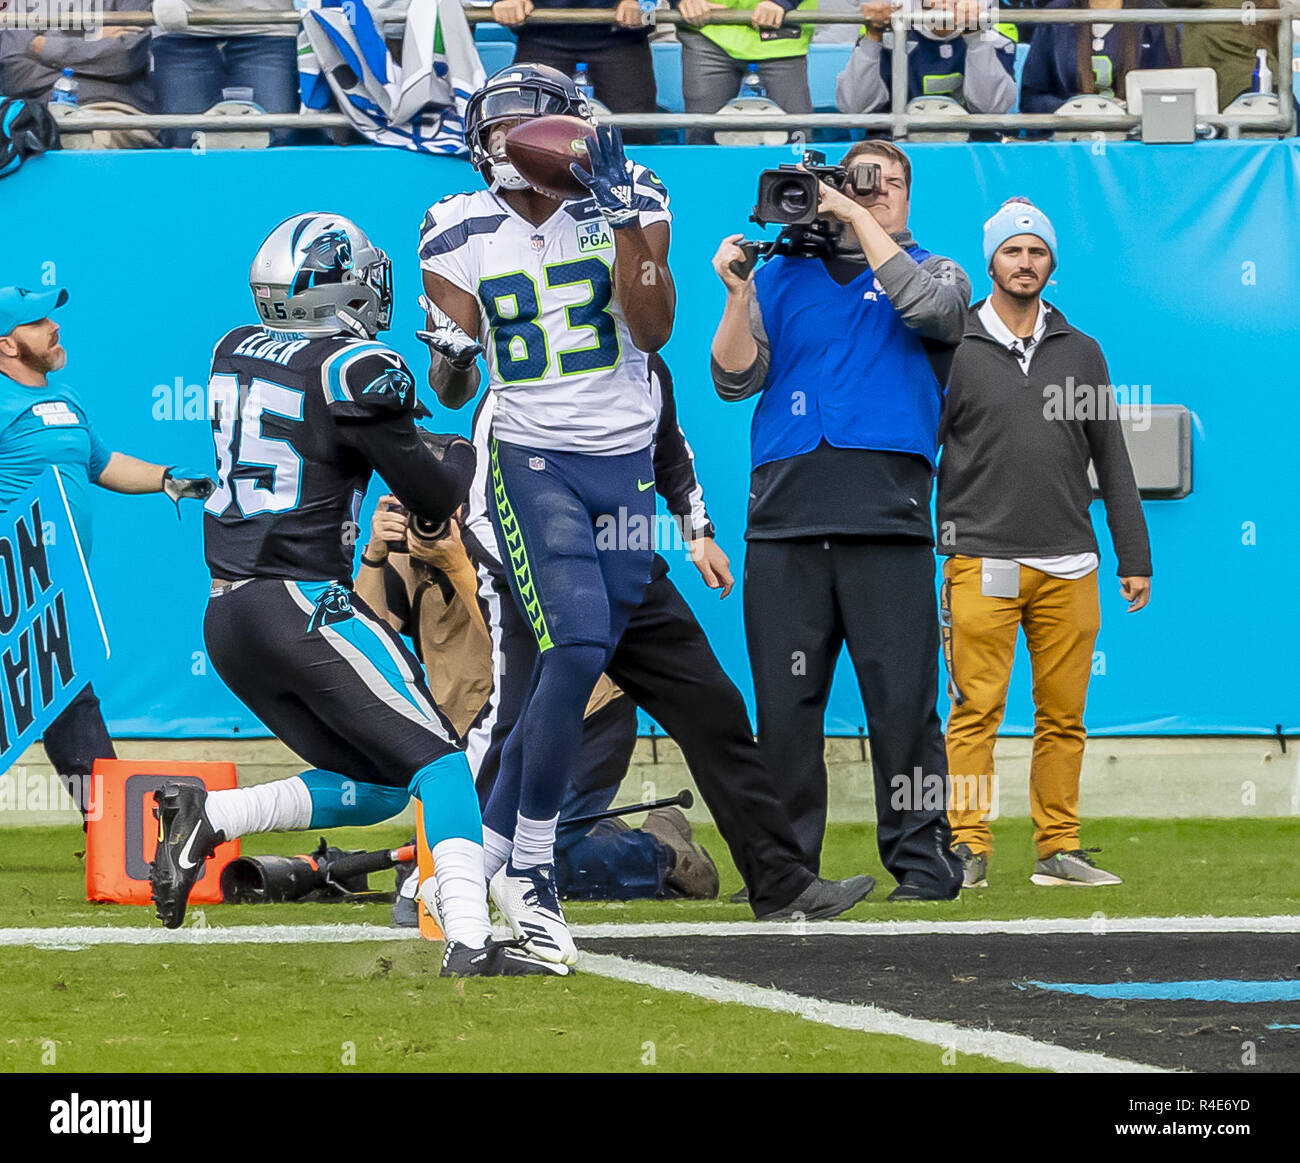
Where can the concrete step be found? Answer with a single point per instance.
(1209, 776)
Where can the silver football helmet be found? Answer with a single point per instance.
(318, 273)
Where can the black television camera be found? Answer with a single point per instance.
(788, 195)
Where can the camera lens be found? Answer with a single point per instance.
(427, 530)
(792, 199)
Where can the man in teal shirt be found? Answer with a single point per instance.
(43, 423)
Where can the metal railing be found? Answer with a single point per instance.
(897, 121)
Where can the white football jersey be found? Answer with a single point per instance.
(562, 365)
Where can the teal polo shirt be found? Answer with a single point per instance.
(44, 426)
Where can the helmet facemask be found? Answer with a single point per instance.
(515, 95)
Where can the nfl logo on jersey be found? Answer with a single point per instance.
(594, 236)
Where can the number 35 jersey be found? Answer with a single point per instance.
(289, 483)
(561, 361)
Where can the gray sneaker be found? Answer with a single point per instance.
(1072, 869)
(824, 899)
(974, 868)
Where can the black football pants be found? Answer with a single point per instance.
(805, 599)
(73, 741)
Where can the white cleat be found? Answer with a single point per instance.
(528, 901)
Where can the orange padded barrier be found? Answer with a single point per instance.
(121, 841)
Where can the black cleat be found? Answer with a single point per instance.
(186, 839)
(908, 890)
(823, 899)
(406, 913)
(497, 959)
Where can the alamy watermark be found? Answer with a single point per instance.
(1075, 400)
(22, 790)
(54, 15)
(659, 532)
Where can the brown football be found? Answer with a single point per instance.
(543, 148)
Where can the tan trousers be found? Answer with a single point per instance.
(1061, 619)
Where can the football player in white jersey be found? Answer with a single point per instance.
(564, 299)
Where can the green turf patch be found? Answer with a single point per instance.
(383, 1007)
(1170, 867)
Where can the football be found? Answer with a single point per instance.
(543, 148)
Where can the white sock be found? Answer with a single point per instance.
(410, 886)
(496, 851)
(460, 892)
(281, 806)
(534, 841)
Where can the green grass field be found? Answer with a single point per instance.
(381, 1007)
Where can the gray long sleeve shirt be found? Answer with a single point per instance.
(109, 68)
(1013, 476)
(984, 84)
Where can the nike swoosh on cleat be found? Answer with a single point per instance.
(183, 860)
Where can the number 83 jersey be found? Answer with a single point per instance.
(560, 358)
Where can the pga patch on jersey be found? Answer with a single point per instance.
(594, 236)
(55, 412)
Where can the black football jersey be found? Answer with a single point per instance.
(289, 485)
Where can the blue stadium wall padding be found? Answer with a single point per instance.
(1181, 260)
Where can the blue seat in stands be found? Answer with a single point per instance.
(491, 32)
(495, 54)
(668, 75)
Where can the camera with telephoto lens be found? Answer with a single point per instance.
(788, 196)
(422, 527)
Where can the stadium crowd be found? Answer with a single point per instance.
(179, 67)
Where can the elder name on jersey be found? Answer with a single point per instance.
(561, 360)
(259, 345)
(289, 485)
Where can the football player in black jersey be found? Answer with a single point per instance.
(304, 405)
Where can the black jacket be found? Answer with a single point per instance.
(1013, 475)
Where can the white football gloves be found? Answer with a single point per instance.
(448, 338)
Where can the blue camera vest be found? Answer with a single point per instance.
(844, 367)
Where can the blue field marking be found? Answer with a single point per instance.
(1282, 1026)
(1213, 990)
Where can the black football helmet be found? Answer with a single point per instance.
(516, 92)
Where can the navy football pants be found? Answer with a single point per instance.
(575, 534)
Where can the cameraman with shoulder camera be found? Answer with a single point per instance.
(845, 336)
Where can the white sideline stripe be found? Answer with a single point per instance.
(868, 1019)
(82, 936)
(1102, 926)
